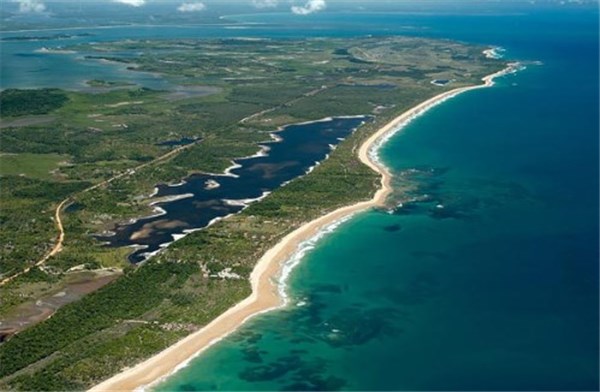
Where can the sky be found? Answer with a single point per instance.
(21, 8)
(299, 7)
(17, 14)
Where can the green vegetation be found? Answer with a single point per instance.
(107, 83)
(22, 102)
(117, 135)
(30, 165)
(27, 230)
(94, 313)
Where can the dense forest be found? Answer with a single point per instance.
(15, 102)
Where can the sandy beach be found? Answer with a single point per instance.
(265, 295)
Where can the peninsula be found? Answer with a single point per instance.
(211, 280)
(265, 295)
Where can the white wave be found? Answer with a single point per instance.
(495, 53)
(186, 363)
(374, 150)
(301, 251)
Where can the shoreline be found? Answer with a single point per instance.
(265, 294)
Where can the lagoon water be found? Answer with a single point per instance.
(295, 151)
(491, 281)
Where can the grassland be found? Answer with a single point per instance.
(38, 166)
(118, 134)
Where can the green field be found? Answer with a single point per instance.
(31, 165)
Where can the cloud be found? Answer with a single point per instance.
(265, 3)
(310, 7)
(31, 6)
(191, 7)
(133, 3)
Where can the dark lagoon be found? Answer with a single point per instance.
(206, 197)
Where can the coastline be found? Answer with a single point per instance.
(265, 294)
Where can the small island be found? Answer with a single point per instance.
(54, 37)
(211, 184)
(107, 84)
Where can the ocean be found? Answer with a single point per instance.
(488, 279)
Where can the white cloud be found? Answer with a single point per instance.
(265, 3)
(133, 3)
(31, 6)
(310, 7)
(191, 7)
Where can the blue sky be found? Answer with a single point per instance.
(299, 7)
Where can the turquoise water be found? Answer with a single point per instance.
(491, 281)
